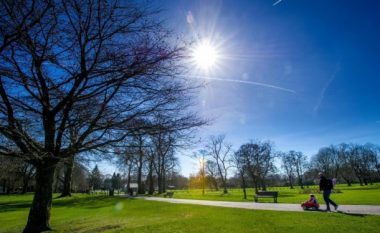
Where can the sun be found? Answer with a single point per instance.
(205, 55)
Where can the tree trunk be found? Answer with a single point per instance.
(68, 173)
(129, 180)
(225, 191)
(150, 178)
(4, 184)
(347, 181)
(243, 184)
(365, 181)
(25, 184)
(160, 179)
(139, 180)
(360, 181)
(159, 183)
(140, 189)
(39, 214)
(57, 180)
(216, 184)
(291, 182)
(263, 186)
(300, 183)
(256, 186)
(9, 188)
(164, 182)
(151, 185)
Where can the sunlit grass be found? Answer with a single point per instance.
(84, 213)
(355, 194)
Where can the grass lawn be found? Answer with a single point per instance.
(93, 214)
(354, 195)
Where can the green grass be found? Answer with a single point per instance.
(83, 213)
(354, 195)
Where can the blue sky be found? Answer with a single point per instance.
(325, 54)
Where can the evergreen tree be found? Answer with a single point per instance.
(95, 179)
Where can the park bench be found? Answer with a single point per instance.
(169, 194)
(264, 194)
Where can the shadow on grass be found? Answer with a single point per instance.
(90, 202)
(338, 212)
(14, 206)
(351, 214)
(103, 228)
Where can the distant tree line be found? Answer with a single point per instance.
(257, 165)
(150, 162)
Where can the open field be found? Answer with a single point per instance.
(354, 195)
(83, 213)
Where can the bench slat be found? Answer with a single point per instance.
(265, 194)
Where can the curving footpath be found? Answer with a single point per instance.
(345, 209)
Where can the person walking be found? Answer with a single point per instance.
(326, 185)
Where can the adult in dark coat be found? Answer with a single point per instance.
(326, 186)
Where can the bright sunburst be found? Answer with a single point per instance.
(205, 55)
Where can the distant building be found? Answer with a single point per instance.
(133, 187)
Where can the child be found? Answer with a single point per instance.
(312, 203)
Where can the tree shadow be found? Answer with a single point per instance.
(14, 206)
(352, 214)
(89, 202)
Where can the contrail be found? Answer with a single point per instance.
(322, 95)
(277, 2)
(246, 82)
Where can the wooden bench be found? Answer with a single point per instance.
(169, 194)
(264, 194)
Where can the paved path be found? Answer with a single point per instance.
(346, 209)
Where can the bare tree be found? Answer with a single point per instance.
(212, 173)
(346, 170)
(288, 165)
(150, 176)
(17, 17)
(220, 152)
(164, 159)
(239, 159)
(168, 135)
(140, 161)
(348, 161)
(299, 161)
(258, 161)
(126, 160)
(95, 65)
(363, 161)
(27, 171)
(15, 173)
(376, 150)
(134, 157)
(326, 160)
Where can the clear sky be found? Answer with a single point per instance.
(302, 73)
